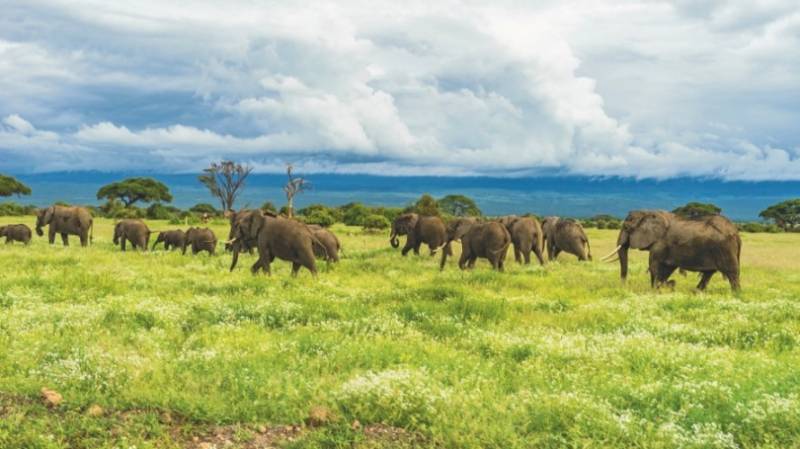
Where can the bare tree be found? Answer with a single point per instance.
(225, 180)
(293, 187)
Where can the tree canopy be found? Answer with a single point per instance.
(133, 190)
(225, 181)
(10, 186)
(696, 210)
(459, 206)
(785, 214)
(426, 205)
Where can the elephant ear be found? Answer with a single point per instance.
(253, 225)
(461, 229)
(647, 231)
(48, 214)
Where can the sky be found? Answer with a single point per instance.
(639, 88)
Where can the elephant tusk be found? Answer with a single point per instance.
(611, 254)
(231, 242)
(612, 260)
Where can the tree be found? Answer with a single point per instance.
(269, 207)
(294, 186)
(375, 221)
(459, 206)
(355, 213)
(696, 210)
(785, 214)
(203, 208)
(225, 181)
(426, 205)
(10, 186)
(132, 190)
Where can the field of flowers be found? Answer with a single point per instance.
(162, 350)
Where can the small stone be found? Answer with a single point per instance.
(51, 397)
(355, 425)
(262, 429)
(95, 411)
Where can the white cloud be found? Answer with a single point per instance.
(645, 89)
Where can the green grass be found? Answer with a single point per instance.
(174, 347)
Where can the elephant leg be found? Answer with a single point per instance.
(432, 249)
(295, 268)
(527, 256)
(416, 248)
(84, 239)
(733, 279)
(704, 279)
(538, 252)
(123, 244)
(664, 272)
(65, 239)
(51, 235)
(556, 252)
(410, 244)
(517, 254)
(462, 261)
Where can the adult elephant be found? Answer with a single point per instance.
(418, 230)
(706, 245)
(172, 239)
(66, 221)
(16, 233)
(565, 234)
(275, 236)
(329, 251)
(488, 240)
(200, 239)
(134, 231)
(526, 236)
(244, 244)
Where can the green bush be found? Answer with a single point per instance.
(158, 211)
(13, 209)
(320, 217)
(355, 214)
(204, 208)
(375, 221)
(269, 207)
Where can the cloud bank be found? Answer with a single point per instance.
(639, 88)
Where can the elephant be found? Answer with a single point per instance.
(454, 231)
(172, 239)
(16, 232)
(134, 231)
(489, 240)
(526, 236)
(66, 221)
(565, 234)
(200, 239)
(275, 236)
(418, 230)
(331, 244)
(706, 244)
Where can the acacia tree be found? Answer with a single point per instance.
(10, 186)
(294, 186)
(696, 210)
(785, 214)
(459, 206)
(225, 181)
(133, 190)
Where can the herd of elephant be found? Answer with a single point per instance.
(705, 245)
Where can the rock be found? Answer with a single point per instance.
(95, 411)
(51, 397)
(319, 416)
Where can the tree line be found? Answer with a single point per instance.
(225, 181)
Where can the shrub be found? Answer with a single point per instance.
(14, 209)
(376, 222)
(269, 207)
(204, 208)
(320, 217)
(158, 211)
(355, 214)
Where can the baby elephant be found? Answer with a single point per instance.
(16, 233)
(171, 239)
(327, 245)
(134, 231)
(200, 239)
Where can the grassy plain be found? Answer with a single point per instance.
(386, 351)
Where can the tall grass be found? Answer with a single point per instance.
(557, 356)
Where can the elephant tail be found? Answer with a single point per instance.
(503, 249)
(91, 231)
(316, 243)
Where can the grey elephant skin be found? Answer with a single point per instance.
(706, 245)
(200, 239)
(487, 240)
(275, 236)
(329, 251)
(66, 221)
(172, 239)
(16, 233)
(567, 235)
(134, 231)
(526, 236)
(418, 229)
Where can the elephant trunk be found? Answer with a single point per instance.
(447, 251)
(622, 252)
(393, 237)
(236, 246)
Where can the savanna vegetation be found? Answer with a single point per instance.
(159, 350)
